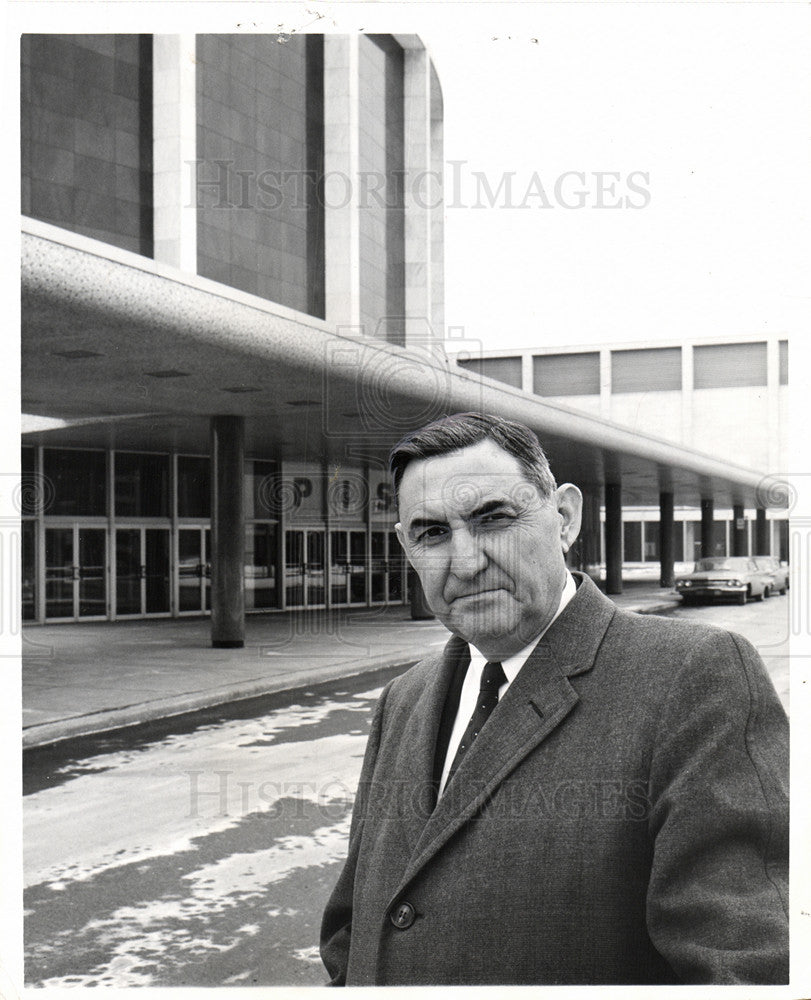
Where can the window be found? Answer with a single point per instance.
(78, 482)
(656, 369)
(507, 370)
(721, 366)
(141, 485)
(194, 487)
(566, 374)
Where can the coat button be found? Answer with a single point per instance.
(402, 916)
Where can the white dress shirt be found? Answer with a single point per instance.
(473, 679)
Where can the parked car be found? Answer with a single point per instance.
(778, 572)
(718, 577)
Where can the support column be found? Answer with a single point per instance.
(174, 151)
(738, 531)
(417, 163)
(423, 162)
(667, 577)
(762, 547)
(341, 182)
(587, 546)
(707, 527)
(227, 532)
(613, 538)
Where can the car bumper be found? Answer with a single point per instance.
(712, 590)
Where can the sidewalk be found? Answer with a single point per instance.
(87, 678)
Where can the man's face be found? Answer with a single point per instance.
(487, 548)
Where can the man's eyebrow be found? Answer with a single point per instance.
(489, 507)
(481, 511)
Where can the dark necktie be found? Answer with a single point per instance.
(493, 677)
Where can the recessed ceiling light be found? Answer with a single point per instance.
(240, 388)
(302, 402)
(167, 373)
(352, 416)
(76, 355)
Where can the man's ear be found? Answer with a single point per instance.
(400, 534)
(569, 501)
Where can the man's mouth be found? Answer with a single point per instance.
(475, 594)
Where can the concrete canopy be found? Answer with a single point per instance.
(140, 355)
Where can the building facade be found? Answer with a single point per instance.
(723, 397)
(271, 165)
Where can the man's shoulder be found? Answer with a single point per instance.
(658, 650)
(629, 635)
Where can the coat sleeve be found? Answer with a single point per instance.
(717, 906)
(336, 925)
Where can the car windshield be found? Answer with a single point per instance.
(719, 563)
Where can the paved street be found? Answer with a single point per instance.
(199, 852)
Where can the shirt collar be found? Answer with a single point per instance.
(512, 664)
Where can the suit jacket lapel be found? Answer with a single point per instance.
(535, 704)
(417, 742)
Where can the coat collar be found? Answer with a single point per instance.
(537, 701)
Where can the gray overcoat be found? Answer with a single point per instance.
(622, 818)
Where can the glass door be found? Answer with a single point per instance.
(338, 568)
(75, 572)
(127, 571)
(304, 568)
(347, 567)
(29, 571)
(194, 569)
(357, 567)
(379, 568)
(157, 580)
(59, 573)
(260, 566)
(387, 569)
(142, 579)
(316, 569)
(396, 574)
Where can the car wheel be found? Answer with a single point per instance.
(742, 598)
(784, 590)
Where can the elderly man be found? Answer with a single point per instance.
(569, 793)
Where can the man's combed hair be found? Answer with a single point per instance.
(464, 429)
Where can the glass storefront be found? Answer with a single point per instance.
(145, 550)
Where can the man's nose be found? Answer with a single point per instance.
(467, 554)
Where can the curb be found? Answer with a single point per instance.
(47, 733)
